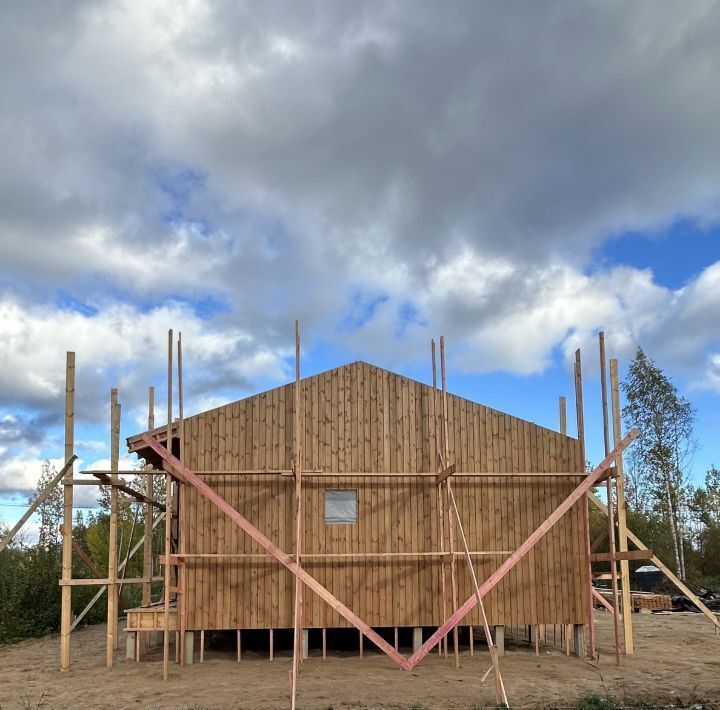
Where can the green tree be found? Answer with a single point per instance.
(50, 510)
(663, 452)
(705, 505)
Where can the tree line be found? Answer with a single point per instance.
(678, 519)
(30, 571)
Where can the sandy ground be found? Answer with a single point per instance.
(677, 660)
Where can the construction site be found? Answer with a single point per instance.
(360, 529)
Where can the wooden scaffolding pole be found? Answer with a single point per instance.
(112, 601)
(499, 685)
(42, 496)
(441, 517)
(66, 593)
(181, 529)
(621, 513)
(610, 497)
(579, 493)
(297, 471)
(451, 531)
(584, 504)
(168, 515)
(147, 547)
(567, 628)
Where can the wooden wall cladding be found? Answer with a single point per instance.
(360, 418)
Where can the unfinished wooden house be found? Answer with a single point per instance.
(376, 531)
(360, 498)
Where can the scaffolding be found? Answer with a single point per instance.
(180, 478)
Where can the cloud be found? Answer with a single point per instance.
(319, 137)
(382, 171)
(118, 345)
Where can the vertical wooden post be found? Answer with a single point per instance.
(621, 513)
(451, 529)
(180, 571)
(297, 470)
(499, 685)
(112, 590)
(147, 544)
(168, 516)
(567, 628)
(324, 642)
(610, 497)
(441, 516)
(584, 502)
(66, 593)
(239, 646)
(272, 644)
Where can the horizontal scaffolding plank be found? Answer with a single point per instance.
(91, 582)
(629, 555)
(180, 559)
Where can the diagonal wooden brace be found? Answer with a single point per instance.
(471, 602)
(308, 580)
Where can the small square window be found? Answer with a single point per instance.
(341, 506)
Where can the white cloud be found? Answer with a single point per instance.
(120, 339)
(422, 170)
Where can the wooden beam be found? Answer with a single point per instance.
(585, 513)
(621, 513)
(112, 611)
(180, 559)
(451, 532)
(664, 569)
(446, 473)
(602, 600)
(135, 443)
(267, 544)
(288, 473)
(563, 415)
(66, 593)
(297, 472)
(121, 486)
(105, 581)
(168, 516)
(610, 497)
(576, 495)
(630, 555)
(180, 573)
(499, 685)
(173, 474)
(441, 515)
(147, 537)
(49, 488)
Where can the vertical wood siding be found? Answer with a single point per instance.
(362, 418)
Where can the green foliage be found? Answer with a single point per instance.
(658, 460)
(29, 575)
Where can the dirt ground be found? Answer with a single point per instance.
(677, 661)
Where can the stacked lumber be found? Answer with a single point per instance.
(643, 600)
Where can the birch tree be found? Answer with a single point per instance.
(664, 450)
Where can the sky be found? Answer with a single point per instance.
(516, 176)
